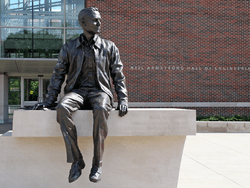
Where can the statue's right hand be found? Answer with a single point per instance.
(40, 106)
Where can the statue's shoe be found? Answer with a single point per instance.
(76, 170)
(95, 174)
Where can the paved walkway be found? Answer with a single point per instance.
(216, 160)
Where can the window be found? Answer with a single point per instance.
(37, 28)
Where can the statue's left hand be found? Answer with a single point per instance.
(41, 105)
(123, 110)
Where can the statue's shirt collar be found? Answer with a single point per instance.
(85, 41)
(95, 40)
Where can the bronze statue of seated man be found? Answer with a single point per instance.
(89, 63)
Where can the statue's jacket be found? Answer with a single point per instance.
(108, 65)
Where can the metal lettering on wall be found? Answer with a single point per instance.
(181, 68)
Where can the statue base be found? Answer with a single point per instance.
(143, 157)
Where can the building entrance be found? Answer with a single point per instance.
(33, 90)
(25, 91)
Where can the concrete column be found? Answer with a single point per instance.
(22, 92)
(40, 90)
(4, 115)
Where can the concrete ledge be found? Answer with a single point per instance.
(138, 122)
(235, 126)
(247, 127)
(223, 126)
(217, 126)
(188, 104)
(201, 126)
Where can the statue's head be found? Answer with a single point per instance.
(90, 20)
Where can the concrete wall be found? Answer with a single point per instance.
(129, 162)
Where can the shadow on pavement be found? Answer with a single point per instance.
(5, 127)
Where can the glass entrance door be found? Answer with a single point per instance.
(43, 89)
(33, 90)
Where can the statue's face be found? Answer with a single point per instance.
(92, 23)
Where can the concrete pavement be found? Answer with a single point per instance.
(216, 160)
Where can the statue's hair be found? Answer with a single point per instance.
(84, 12)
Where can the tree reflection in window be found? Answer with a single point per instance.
(44, 43)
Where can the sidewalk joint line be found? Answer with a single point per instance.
(223, 146)
(212, 170)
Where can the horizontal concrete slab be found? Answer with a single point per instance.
(188, 104)
(138, 122)
(223, 126)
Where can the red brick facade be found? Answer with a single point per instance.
(182, 50)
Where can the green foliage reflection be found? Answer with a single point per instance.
(14, 91)
(45, 43)
(31, 89)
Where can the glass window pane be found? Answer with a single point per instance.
(14, 91)
(31, 89)
(16, 13)
(46, 13)
(72, 34)
(46, 83)
(73, 7)
(30, 43)
(47, 43)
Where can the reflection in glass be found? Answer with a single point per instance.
(16, 13)
(73, 7)
(14, 91)
(46, 13)
(31, 89)
(72, 34)
(45, 87)
(23, 43)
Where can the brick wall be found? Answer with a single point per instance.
(181, 50)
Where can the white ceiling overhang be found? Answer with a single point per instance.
(27, 65)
